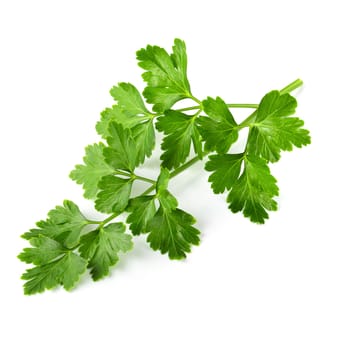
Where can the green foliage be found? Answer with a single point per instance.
(218, 129)
(254, 190)
(181, 131)
(172, 232)
(90, 174)
(55, 265)
(166, 75)
(273, 130)
(170, 228)
(121, 153)
(143, 209)
(102, 246)
(114, 194)
(67, 244)
(226, 169)
(129, 100)
(65, 224)
(131, 113)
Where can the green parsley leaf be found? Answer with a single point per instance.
(142, 210)
(102, 246)
(129, 112)
(114, 114)
(226, 169)
(121, 153)
(132, 114)
(45, 250)
(129, 100)
(145, 140)
(219, 131)
(254, 190)
(171, 229)
(166, 75)
(181, 131)
(142, 130)
(172, 232)
(273, 130)
(167, 201)
(92, 171)
(64, 224)
(107, 173)
(114, 194)
(56, 266)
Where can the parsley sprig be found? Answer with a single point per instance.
(67, 244)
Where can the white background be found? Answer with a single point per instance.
(284, 285)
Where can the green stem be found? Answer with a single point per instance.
(292, 86)
(186, 165)
(246, 122)
(229, 105)
(92, 222)
(188, 109)
(195, 99)
(149, 190)
(145, 179)
(176, 172)
(134, 176)
(121, 172)
(242, 105)
(104, 222)
(108, 219)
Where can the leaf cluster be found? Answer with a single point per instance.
(67, 244)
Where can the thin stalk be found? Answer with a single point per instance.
(149, 190)
(104, 222)
(242, 105)
(145, 179)
(292, 86)
(176, 172)
(93, 222)
(183, 167)
(122, 172)
(229, 105)
(134, 176)
(188, 109)
(108, 219)
(246, 122)
(195, 99)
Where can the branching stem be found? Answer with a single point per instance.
(229, 105)
(145, 179)
(246, 123)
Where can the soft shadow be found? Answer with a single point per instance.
(141, 251)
